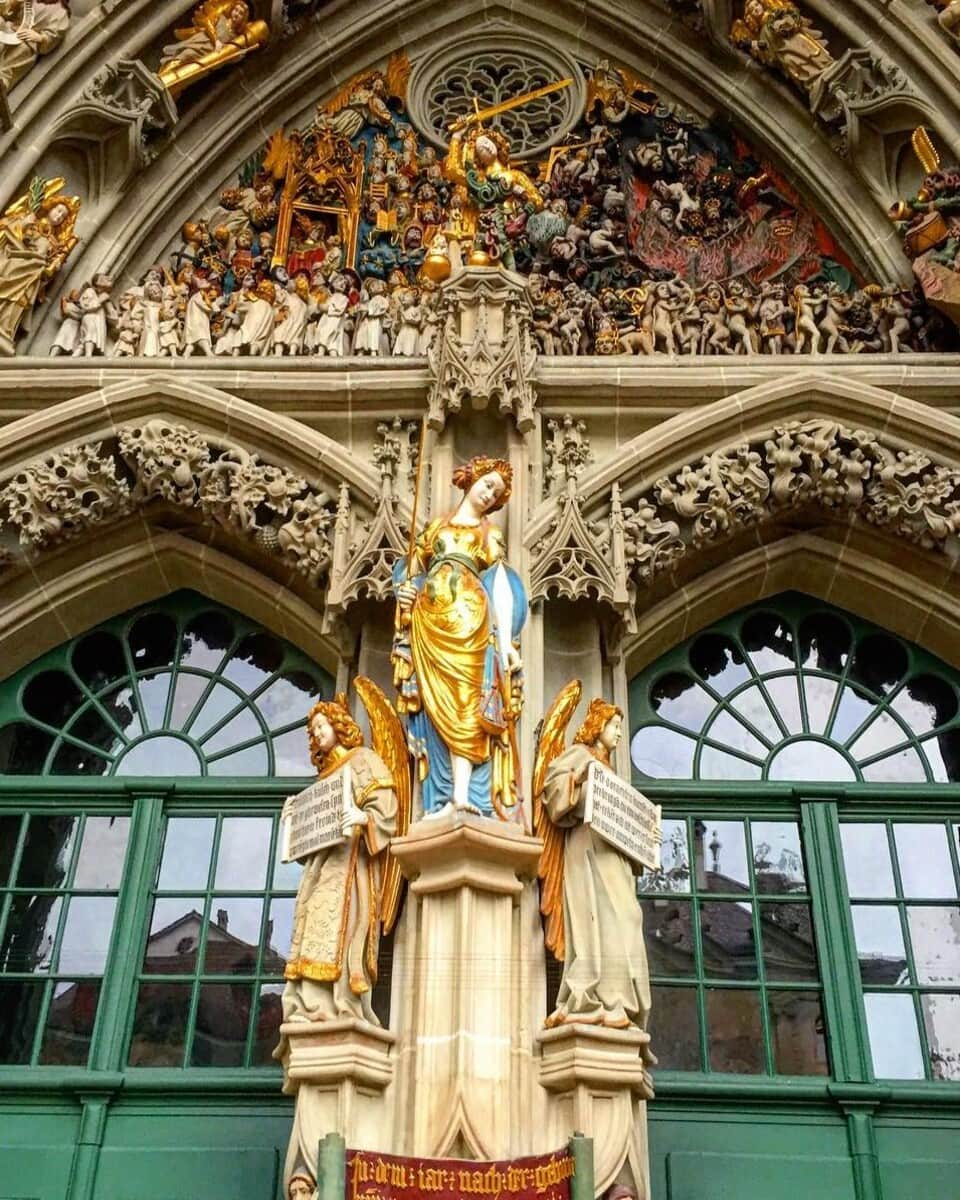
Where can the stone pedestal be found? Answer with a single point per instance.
(598, 1085)
(338, 1071)
(467, 1084)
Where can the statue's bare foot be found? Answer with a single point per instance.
(438, 812)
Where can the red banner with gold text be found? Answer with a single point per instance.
(372, 1176)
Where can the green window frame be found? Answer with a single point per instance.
(91, 791)
(846, 681)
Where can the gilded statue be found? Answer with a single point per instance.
(495, 193)
(36, 236)
(777, 34)
(348, 891)
(221, 32)
(457, 667)
(593, 923)
(29, 28)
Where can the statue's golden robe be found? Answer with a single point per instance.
(332, 964)
(605, 977)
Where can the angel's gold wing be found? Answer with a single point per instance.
(925, 150)
(397, 74)
(550, 744)
(280, 153)
(391, 744)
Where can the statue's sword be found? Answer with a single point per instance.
(482, 114)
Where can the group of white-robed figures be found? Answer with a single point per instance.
(351, 891)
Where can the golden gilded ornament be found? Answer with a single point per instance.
(221, 33)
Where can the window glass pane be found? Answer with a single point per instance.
(894, 1040)
(675, 1027)
(29, 936)
(811, 760)
(866, 858)
(729, 951)
(943, 755)
(75, 760)
(241, 728)
(734, 1031)
(205, 640)
(924, 856)
(251, 761)
(70, 1021)
(244, 850)
(160, 1025)
(714, 764)
(102, 853)
(820, 694)
(46, 855)
(267, 1033)
(256, 658)
(721, 853)
(753, 704)
(797, 1032)
(789, 953)
(288, 699)
(824, 642)
(121, 707)
(98, 659)
(941, 1017)
(904, 767)
(222, 700)
(669, 937)
(86, 935)
(777, 857)
(223, 1017)
(879, 938)
(854, 708)
(174, 939)
(674, 873)
(291, 753)
(279, 936)
(935, 938)
(153, 640)
(880, 663)
(90, 727)
(769, 640)
(161, 756)
(732, 733)
(678, 698)
(23, 749)
(52, 697)
(926, 702)
(153, 698)
(20, 1002)
(717, 659)
(9, 835)
(662, 753)
(883, 733)
(286, 876)
(186, 853)
(233, 936)
(186, 694)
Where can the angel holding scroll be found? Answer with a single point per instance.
(348, 890)
(593, 922)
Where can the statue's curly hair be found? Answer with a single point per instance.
(345, 727)
(466, 476)
(598, 714)
(500, 140)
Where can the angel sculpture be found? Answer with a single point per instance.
(348, 890)
(221, 32)
(593, 923)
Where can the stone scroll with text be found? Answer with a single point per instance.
(312, 820)
(623, 816)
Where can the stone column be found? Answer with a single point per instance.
(338, 1071)
(599, 1086)
(466, 1083)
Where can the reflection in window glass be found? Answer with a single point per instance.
(46, 852)
(86, 935)
(244, 853)
(662, 753)
(186, 853)
(721, 854)
(731, 732)
(70, 1020)
(715, 764)
(941, 1018)
(797, 1033)
(924, 857)
(777, 856)
(174, 938)
(935, 938)
(223, 1018)
(253, 760)
(809, 759)
(880, 949)
(19, 1016)
(789, 952)
(674, 1026)
(820, 695)
(102, 853)
(729, 947)
(30, 934)
(717, 660)
(291, 754)
(674, 873)
(161, 756)
(669, 938)
(736, 1036)
(677, 698)
(894, 1039)
(267, 1032)
(866, 859)
(160, 1025)
(233, 936)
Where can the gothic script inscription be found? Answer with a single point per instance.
(623, 817)
(312, 820)
(389, 1177)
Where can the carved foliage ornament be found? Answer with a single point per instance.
(77, 488)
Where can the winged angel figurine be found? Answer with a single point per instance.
(588, 897)
(349, 890)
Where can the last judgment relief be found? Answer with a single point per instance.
(643, 231)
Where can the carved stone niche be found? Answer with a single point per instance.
(484, 350)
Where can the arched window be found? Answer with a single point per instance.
(144, 908)
(809, 872)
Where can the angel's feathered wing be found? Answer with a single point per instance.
(550, 870)
(391, 744)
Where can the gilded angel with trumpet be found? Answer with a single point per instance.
(350, 890)
(588, 898)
